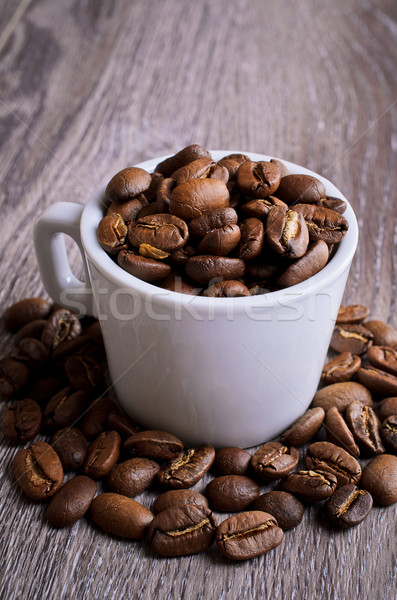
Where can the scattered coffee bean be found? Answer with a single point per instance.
(71, 446)
(38, 470)
(248, 534)
(33, 329)
(383, 334)
(377, 381)
(341, 368)
(231, 493)
(389, 433)
(187, 468)
(122, 424)
(154, 444)
(332, 459)
(102, 455)
(96, 416)
(120, 515)
(64, 409)
(71, 502)
(338, 432)
(351, 338)
(45, 387)
(231, 461)
(274, 460)
(14, 375)
(353, 313)
(364, 425)
(304, 428)
(22, 421)
(348, 506)
(387, 407)
(380, 479)
(174, 498)
(25, 311)
(285, 508)
(341, 395)
(310, 485)
(132, 476)
(33, 352)
(383, 358)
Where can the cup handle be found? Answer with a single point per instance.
(58, 279)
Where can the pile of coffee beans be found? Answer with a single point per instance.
(230, 228)
(341, 453)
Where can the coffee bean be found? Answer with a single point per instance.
(197, 197)
(61, 325)
(25, 311)
(311, 485)
(205, 268)
(338, 432)
(127, 212)
(304, 428)
(330, 458)
(44, 388)
(64, 409)
(127, 184)
(96, 416)
(384, 358)
(389, 433)
(71, 502)
(122, 424)
(377, 381)
(341, 368)
(282, 167)
(132, 477)
(348, 506)
(217, 219)
(33, 352)
(387, 407)
(163, 197)
(163, 231)
(331, 203)
(341, 395)
(323, 224)
(232, 163)
(351, 338)
(38, 470)
(120, 515)
(286, 232)
(154, 444)
(231, 461)
(252, 239)
(258, 179)
(365, 427)
(177, 283)
(175, 498)
(181, 158)
(248, 534)
(102, 455)
(14, 375)
(33, 329)
(263, 271)
(182, 530)
(285, 508)
(380, 479)
(231, 493)
(220, 242)
(71, 446)
(112, 233)
(187, 468)
(261, 207)
(143, 268)
(202, 168)
(84, 374)
(274, 460)
(227, 289)
(82, 346)
(352, 313)
(294, 189)
(383, 334)
(21, 421)
(311, 263)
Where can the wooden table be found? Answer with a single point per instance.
(88, 87)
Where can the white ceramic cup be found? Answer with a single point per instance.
(224, 371)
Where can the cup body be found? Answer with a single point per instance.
(224, 371)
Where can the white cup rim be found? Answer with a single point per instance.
(93, 212)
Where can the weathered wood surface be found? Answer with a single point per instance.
(89, 86)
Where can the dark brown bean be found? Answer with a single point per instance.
(122, 424)
(175, 498)
(304, 428)
(300, 188)
(258, 179)
(383, 334)
(286, 232)
(38, 470)
(187, 468)
(341, 395)
(198, 197)
(121, 516)
(154, 444)
(338, 432)
(384, 358)
(387, 407)
(214, 220)
(285, 508)
(112, 233)
(312, 262)
(311, 485)
(232, 163)
(33, 352)
(332, 459)
(102, 455)
(274, 460)
(127, 212)
(14, 375)
(352, 313)
(61, 325)
(323, 224)
(348, 506)
(231, 493)
(127, 184)
(96, 416)
(252, 239)
(84, 373)
(163, 231)
(178, 283)
(389, 433)
(227, 289)
(231, 461)
(283, 168)
(141, 267)
(202, 168)
(260, 207)
(181, 158)
(156, 181)
(33, 329)
(248, 534)
(71, 502)
(182, 530)
(364, 425)
(44, 388)
(380, 479)
(131, 477)
(64, 409)
(331, 203)
(341, 368)
(22, 421)
(220, 242)
(377, 381)
(205, 268)
(180, 257)
(351, 338)
(25, 311)
(71, 446)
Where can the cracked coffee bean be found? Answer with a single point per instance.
(258, 179)
(389, 433)
(71, 502)
(62, 325)
(377, 381)
(202, 168)
(102, 455)
(348, 506)
(310, 485)
(64, 409)
(285, 508)
(252, 239)
(22, 421)
(38, 470)
(323, 224)
(261, 207)
(248, 534)
(364, 425)
(112, 233)
(274, 460)
(341, 368)
(338, 432)
(187, 468)
(383, 358)
(351, 338)
(163, 231)
(341, 395)
(329, 458)
(84, 374)
(286, 232)
(352, 313)
(154, 444)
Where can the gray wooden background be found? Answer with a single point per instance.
(90, 86)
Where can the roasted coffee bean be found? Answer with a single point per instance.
(323, 224)
(377, 381)
(274, 460)
(175, 498)
(258, 179)
(156, 181)
(33, 329)
(187, 468)
(389, 433)
(143, 268)
(61, 325)
(202, 168)
(121, 516)
(311, 485)
(328, 457)
(38, 470)
(216, 219)
(64, 409)
(303, 189)
(127, 212)
(112, 233)
(102, 455)
(260, 207)
(179, 258)
(84, 373)
(21, 421)
(252, 239)
(44, 388)
(380, 479)
(96, 416)
(352, 313)
(33, 351)
(205, 268)
(341, 368)
(181, 158)
(220, 242)
(383, 334)
(154, 444)
(348, 506)
(164, 192)
(282, 167)
(248, 534)
(197, 197)
(83, 345)
(14, 375)
(177, 283)
(304, 428)
(311, 263)
(127, 184)
(231, 461)
(387, 407)
(232, 163)
(231, 493)
(122, 424)
(351, 338)
(341, 395)
(227, 289)
(384, 358)
(163, 231)
(263, 270)
(132, 476)
(285, 508)
(71, 446)
(25, 311)
(71, 502)
(364, 425)
(182, 530)
(338, 432)
(286, 232)
(331, 203)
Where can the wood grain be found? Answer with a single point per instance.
(88, 87)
